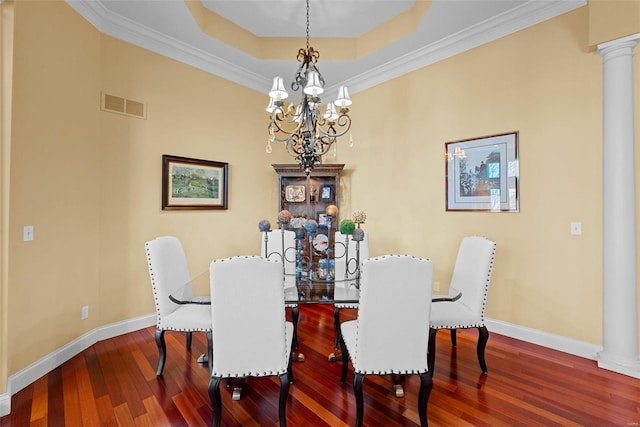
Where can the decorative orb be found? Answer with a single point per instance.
(284, 217)
(264, 225)
(347, 226)
(311, 226)
(358, 235)
(359, 217)
(332, 210)
(300, 233)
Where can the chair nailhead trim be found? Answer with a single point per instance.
(247, 374)
(394, 372)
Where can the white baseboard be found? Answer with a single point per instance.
(5, 404)
(545, 339)
(34, 371)
(629, 366)
(28, 375)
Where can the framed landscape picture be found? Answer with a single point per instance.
(193, 184)
(482, 174)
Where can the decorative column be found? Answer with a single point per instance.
(620, 311)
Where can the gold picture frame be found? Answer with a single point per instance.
(194, 184)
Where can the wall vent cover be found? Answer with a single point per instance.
(120, 105)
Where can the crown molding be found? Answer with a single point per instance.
(528, 14)
(132, 32)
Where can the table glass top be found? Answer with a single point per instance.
(305, 291)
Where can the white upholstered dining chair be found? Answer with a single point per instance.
(390, 335)
(279, 245)
(170, 277)
(348, 257)
(250, 334)
(464, 305)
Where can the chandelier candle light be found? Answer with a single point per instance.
(306, 133)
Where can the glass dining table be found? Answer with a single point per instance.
(302, 291)
(297, 291)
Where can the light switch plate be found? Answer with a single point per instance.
(27, 233)
(576, 228)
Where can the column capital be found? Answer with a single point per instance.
(628, 42)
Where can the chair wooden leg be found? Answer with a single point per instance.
(453, 337)
(431, 353)
(290, 368)
(295, 314)
(345, 360)
(426, 384)
(216, 403)
(336, 322)
(210, 351)
(357, 390)
(483, 337)
(162, 351)
(284, 393)
(188, 340)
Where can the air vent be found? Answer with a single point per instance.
(128, 107)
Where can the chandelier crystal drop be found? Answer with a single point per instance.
(307, 133)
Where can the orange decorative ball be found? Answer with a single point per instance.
(332, 210)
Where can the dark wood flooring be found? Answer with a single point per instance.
(113, 383)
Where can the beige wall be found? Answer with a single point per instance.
(89, 181)
(6, 81)
(612, 19)
(545, 84)
(190, 114)
(55, 180)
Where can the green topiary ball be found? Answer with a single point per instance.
(347, 226)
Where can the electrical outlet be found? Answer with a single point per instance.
(436, 286)
(85, 312)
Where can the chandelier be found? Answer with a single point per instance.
(457, 152)
(306, 133)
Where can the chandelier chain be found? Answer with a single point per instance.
(307, 25)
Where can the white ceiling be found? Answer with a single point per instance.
(448, 28)
(287, 18)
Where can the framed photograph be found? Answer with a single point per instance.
(482, 174)
(295, 193)
(326, 193)
(193, 184)
(323, 220)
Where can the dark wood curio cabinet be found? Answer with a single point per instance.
(307, 197)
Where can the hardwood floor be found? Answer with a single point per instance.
(114, 383)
